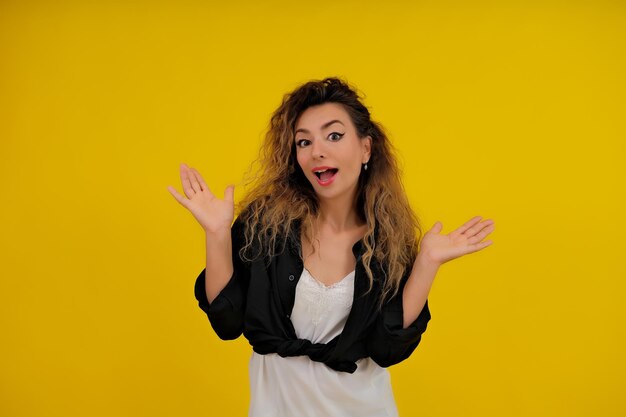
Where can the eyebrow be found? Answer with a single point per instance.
(324, 126)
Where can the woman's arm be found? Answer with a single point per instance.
(389, 342)
(226, 308)
(222, 286)
(435, 250)
(219, 264)
(416, 290)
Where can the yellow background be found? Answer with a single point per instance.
(512, 111)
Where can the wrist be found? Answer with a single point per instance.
(424, 261)
(218, 235)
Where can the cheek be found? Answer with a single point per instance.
(302, 160)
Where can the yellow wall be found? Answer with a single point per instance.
(513, 111)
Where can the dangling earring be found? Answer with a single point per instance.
(365, 167)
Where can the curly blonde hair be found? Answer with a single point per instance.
(280, 193)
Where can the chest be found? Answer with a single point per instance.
(329, 258)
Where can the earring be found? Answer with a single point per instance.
(365, 167)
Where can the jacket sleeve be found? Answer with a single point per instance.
(388, 343)
(226, 312)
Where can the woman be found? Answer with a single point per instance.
(321, 270)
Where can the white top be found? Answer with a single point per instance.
(299, 386)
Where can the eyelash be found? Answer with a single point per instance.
(298, 142)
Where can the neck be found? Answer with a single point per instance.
(339, 214)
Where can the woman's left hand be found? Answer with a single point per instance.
(439, 249)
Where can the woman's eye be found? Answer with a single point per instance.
(336, 135)
(299, 142)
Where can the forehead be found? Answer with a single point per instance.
(315, 116)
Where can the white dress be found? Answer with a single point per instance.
(298, 386)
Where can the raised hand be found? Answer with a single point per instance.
(213, 214)
(438, 248)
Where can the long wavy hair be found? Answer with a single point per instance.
(280, 194)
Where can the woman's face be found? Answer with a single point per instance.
(326, 140)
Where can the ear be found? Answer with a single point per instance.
(367, 148)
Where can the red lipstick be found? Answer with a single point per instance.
(325, 174)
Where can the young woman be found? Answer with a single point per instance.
(325, 269)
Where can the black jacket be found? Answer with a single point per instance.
(258, 299)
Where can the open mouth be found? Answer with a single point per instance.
(327, 174)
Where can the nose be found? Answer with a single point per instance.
(317, 149)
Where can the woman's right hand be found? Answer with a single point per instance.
(213, 214)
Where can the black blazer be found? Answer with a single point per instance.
(258, 299)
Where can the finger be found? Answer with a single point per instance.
(474, 230)
(200, 180)
(436, 227)
(185, 179)
(481, 245)
(481, 235)
(178, 197)
(194, 180)
(465, 226)
(229, 194)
